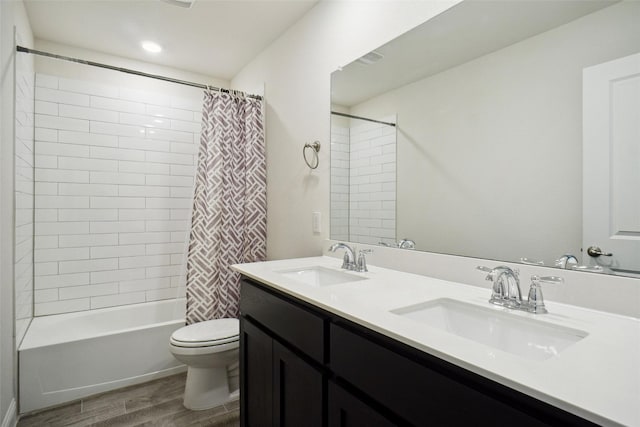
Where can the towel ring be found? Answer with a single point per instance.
(315, 146)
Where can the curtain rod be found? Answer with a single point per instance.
(363, 118)
(126, 70)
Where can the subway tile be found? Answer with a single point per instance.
(135, 238)
(117, 300)
(117, 226)
(143, 214)
(116, 129)
(87, 87)
(144, 144)
(171, 113)
(183, 170)
(61, 97)
(45, 295)
(118, 202)
(50, 215)
(116, 178)
(142, 191)
(144, 167)
(165, 248)
(117, 275)
(117, 105)
(169, 180)
(62, 202)
(85, 291)
(87, 214)
(144, 97)
(168, 203)
(117, 251)
(88, 265)
(46, 242)
(58, 149)
(179, 236)
(46, 81)
(64, 254)
(86, 138)
(46, 188)
(88, 240)
(46, 162)
(61, 175)
(87, 190)
(144, 120)
(58, 307)
(181, 214)
(169, 135)
(184, 103)
(145, 284)
(144, 261)
(61, 280)
(163, 271)
(91, 165)
(186, 126)
(53, 228)
(116, 154)
(45, 268)
(179, 259)
(61, 123)
(181, 192)
(46, 107)
(166, 293)
(47, 135)
(88, 113)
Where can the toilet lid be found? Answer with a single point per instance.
(209, 332)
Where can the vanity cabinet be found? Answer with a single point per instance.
(303, 366)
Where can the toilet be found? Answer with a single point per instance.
(210, 350)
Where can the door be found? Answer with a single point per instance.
(256, 376)
(611, 163)
(345, 410)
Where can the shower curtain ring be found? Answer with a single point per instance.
(315, 146)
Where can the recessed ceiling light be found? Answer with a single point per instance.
(152, 47)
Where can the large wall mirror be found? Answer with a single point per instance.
(507, 130)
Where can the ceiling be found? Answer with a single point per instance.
(214, 38)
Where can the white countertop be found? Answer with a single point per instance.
(597, 378)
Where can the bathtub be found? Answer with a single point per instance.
(69, 356)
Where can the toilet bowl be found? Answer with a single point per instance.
(210, 351)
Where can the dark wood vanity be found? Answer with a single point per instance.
(302, 366)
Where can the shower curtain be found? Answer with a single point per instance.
(229, 219)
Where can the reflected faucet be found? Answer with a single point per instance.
(567, 261)
(349, 259)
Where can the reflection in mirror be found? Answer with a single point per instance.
(489, 150)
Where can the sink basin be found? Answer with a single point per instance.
(527, 338)
(320, 276)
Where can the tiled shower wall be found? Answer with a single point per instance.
(24, 164)
(363, 182)
(114, 177)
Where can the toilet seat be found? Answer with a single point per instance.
(210, 333)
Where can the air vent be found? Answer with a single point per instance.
(370, 58)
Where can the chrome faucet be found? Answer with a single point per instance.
(506, 289)
(349, 259)
(567, 261)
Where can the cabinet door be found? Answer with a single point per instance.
(346, 410)
(297, 390)
(256, 376)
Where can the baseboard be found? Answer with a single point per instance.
(10, 419)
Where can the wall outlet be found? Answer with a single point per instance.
(316, 222)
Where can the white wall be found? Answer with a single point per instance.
(12, 14)
(295, 71)
(496, 143)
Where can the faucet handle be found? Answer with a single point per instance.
(535, 300)
(361, 265)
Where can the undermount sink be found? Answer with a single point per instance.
(320, 276)
(528, 338)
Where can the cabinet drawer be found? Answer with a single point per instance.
(421, 394)
(289, 321)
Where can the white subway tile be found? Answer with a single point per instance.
(117, 226)
(135, 238)
(165, 248)
(144, 167)
(73, 292)
(61, 175)
(163, 271)
(45, 268)
(189, 170)
(58, 307)
(181, 214)
(116, 251)
(87, 214)
(143, 191)
(143, 214)
(144, 261)
(61, 123)
(81, 240)
(184, 103)
(46, 215)
(179, 236)
(88, 265)
(181, 192)
(169, 135)
(117, 300)
(61, 280)
(61, 97)
(71, 202)
(143, 144)
(72, 163)
(186, 126)
(117, 275)
(46, 107)
(46, 188)
(168, 203)
(145, 284)
(118, 202)
(53, 228)
(65, 254)
(116, 154)
(47, 81)
(87, 190)
(179, 259)
(88, 113)
(171, 113)
(116, 178)
(46, 242)
(47, 135)
(58, 149)
(169, 180)
(117, 104)
(166, 293)
(166, 225)
(46, 162)
(86, 87)
(144, 120)
(45, 295)
(86, 138)
(116, 129)
(145, 97)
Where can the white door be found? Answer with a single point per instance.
(611, 162)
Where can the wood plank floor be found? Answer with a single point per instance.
(157, 403)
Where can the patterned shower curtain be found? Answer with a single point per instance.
(229, 219)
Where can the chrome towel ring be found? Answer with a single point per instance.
(315, 146)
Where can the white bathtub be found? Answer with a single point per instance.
(68, 356)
